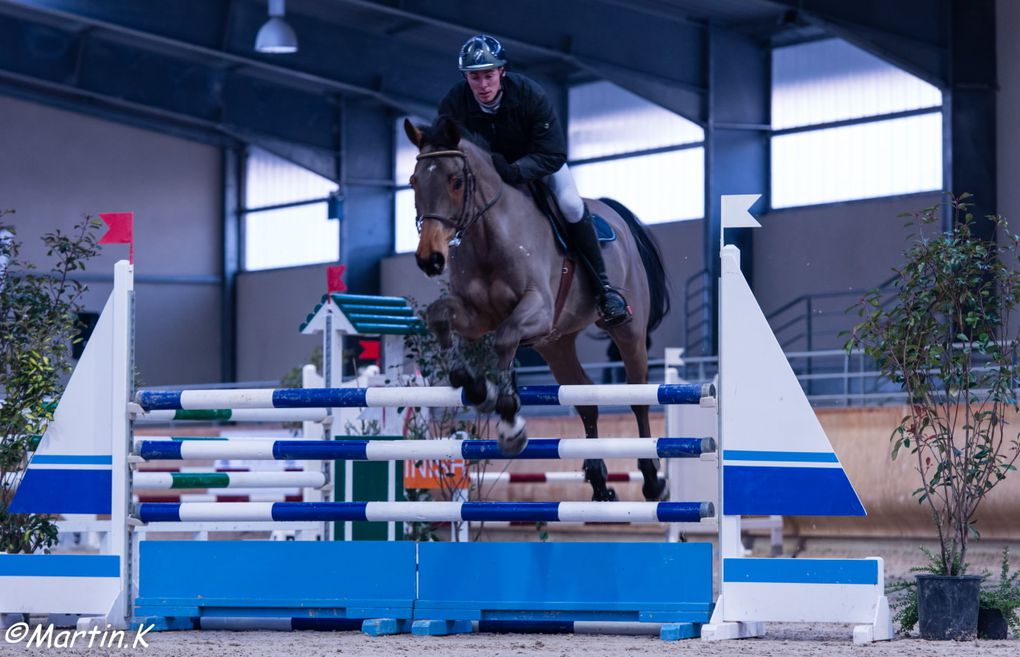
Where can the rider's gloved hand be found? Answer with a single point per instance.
(507, 171)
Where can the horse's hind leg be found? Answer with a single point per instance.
(632, 344)
(595, 472)
(566, 368)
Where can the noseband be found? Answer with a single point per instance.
(465, 219)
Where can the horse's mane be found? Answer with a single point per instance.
(445, 133)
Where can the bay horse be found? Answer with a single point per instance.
(505, 274)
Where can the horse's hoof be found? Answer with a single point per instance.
(478, 391)
(606, 495)
(488, 404)
(512, 436)
(460, 377)
(657, 492)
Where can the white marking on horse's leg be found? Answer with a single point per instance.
(512, 436)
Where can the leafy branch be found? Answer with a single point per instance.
(38, 322)
(945, 339)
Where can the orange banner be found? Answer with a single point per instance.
(436, 474)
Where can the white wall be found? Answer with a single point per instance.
(845, 247)
(271, 306)
(57, 166)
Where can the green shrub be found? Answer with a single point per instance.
(38, 322)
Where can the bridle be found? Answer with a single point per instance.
(464, 220)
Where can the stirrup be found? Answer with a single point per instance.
(619, 318)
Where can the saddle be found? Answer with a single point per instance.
(545, 201)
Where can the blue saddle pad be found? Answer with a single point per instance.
(603, 230)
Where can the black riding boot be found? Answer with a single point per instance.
(612, 306)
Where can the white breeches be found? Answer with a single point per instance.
(562, 185)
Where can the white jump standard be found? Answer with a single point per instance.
(773, 458)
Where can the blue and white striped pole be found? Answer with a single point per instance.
(426, 511)
(431, 397)
(395, 450)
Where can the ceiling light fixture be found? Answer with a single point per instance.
(276, 36)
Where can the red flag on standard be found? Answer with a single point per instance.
(121, 230)
(369, 350)
(335, 279)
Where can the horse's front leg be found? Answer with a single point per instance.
(451, 315)
(530, 319)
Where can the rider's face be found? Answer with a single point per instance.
(485, 85)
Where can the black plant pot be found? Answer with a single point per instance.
(947, 607)
(991, 624)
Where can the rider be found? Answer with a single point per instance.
(513, 114)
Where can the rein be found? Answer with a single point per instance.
(464, 221)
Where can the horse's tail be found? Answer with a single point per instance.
(651, 258)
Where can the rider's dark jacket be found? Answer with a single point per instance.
(524, 130)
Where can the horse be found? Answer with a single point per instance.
(505, 276)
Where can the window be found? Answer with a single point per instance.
(848, 125)
(880, 158)
(657, 188)
(285, 215)
(627, 148)
(403, 198)
(404, 213)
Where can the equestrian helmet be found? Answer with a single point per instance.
(480, 53)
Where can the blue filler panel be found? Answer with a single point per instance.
(788, 491)
(654, 582)
(191, 579)
(63, 491)
(801, 571)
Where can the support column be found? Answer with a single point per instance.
(233, 201)
(969, 108)
(736, 146)
(367, 231)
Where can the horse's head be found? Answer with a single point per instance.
(444, 183)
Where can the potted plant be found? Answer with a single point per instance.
(999, 603)
(944, 337)
(38, 323)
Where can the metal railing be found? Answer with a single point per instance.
(807, 323)
(697, 325)
(813, 321)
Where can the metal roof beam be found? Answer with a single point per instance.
(664, 65)
(912, 34)
(82, 71)
(166, 33)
